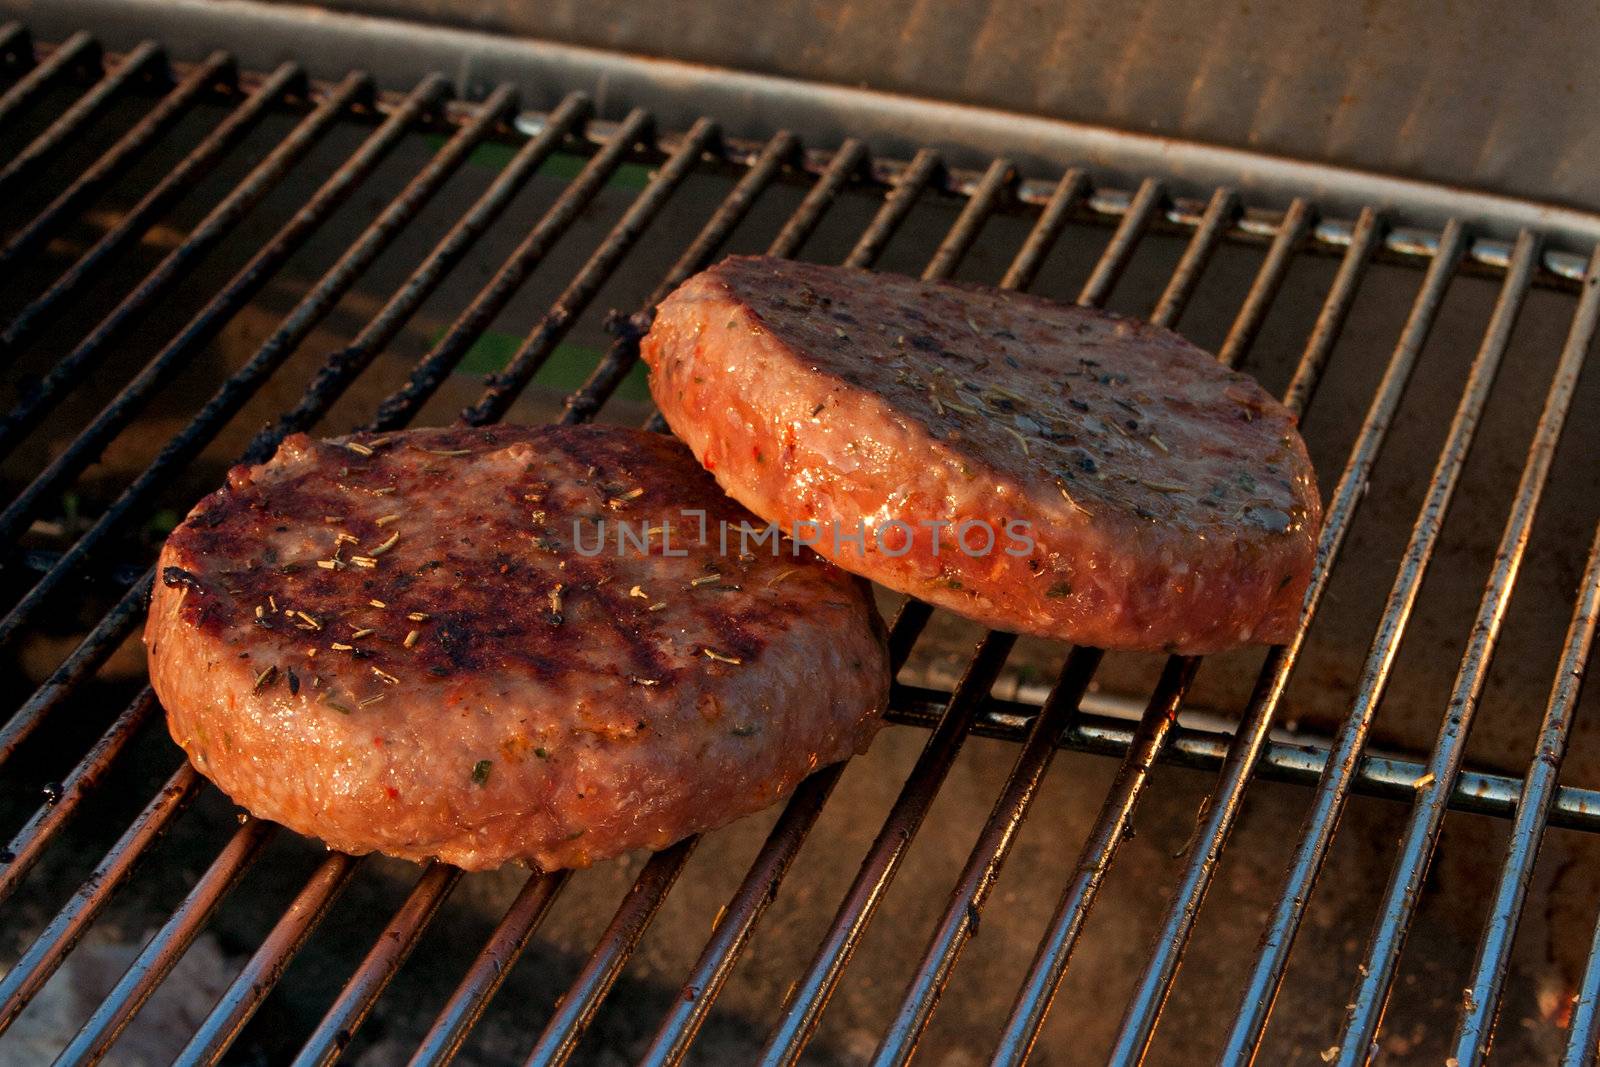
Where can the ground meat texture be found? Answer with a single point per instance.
(416, 644)
(1117, 486)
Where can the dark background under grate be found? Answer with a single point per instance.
(190, 253)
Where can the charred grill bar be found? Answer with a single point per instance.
(33, 73)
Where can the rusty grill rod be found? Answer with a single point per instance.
(1426, 820)
(79, 55)
(217, 72)
(1139, 1020)
(233, 393)
(145, 65)
(342, 367)
(1345, 754)
(286, 82)
(1481, 1004)
(766, 873)
(86, 447)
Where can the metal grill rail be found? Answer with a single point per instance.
(1432, 787)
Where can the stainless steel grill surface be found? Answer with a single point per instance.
(199, 260)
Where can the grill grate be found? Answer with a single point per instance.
(93, 87)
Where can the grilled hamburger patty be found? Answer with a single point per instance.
(1117, 486)
(414, 644)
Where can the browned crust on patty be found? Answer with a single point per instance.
(507, 697)
(1169, 501)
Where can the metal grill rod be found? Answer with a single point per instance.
(1481, 1005)
(1094, 862)
(93, 650)
(988, 854)
(252, 984)
(286, 82)
(812, 992)
(766, 873)
(737, 921)
(86, 447)
(66, 374)
(29, 974)
(994, 843)
(1330, 321)
(342, 368)
(430, 372)
(1298, 763)
(1220, 211)
(216, 70)
(877, 870)
(1426, 820)
(162, 952)
(490, 969)
(364, 987)
(16, 49)
(233, 393)
(28, 844)
(562, 1033)
(1155, 982)
(667, 179)
(78, 54)
(1333, 790)
(147, 64)
(609, 955)
(502, 388)
(470, 996)
(83, 776)
(578, 1006)
(549, 139)
(1269, 279)
(390, 950)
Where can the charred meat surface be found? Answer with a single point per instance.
(504, 644)
(1042, 468)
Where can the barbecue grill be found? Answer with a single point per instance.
(203, 255)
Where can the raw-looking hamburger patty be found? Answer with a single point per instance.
(1119, 487)
(415, 644)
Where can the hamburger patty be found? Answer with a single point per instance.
(417, 644)
(1116, 485)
